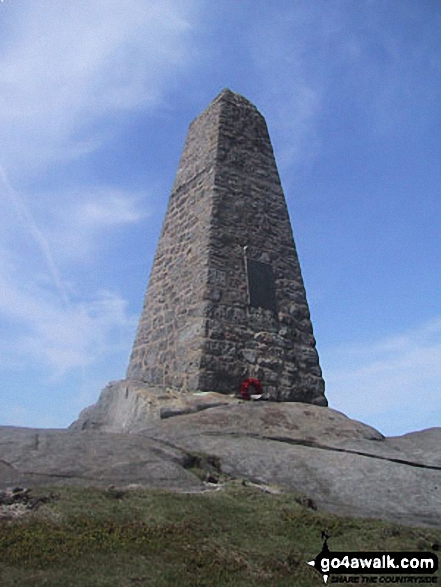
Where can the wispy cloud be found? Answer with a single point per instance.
(288, 63)
(29, 225)
(46, 333)
(113, 208)
(312, 60)
(90, 213)
(48, 327)
(401, 372)
(66, 66)
(68, 71)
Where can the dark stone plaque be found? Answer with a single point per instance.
(261, 285)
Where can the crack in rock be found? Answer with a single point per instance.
(58, 475)
(312, 444)
(9, 465)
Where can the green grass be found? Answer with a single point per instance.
(240, 536)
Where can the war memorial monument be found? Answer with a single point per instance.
(226, 298)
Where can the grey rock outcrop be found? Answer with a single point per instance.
(128, 405)
(344, 466)
(31, 456)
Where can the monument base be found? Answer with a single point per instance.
(129, 405)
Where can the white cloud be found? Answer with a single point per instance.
(66, 65)
(79, 336)
(66, 70)
(64, 234)
(45, 332)
(313, 59)
(399, 374)
(75, 229)
(294, 124)
(40, 322)
(113, 209)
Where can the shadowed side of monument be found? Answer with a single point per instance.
(226, 299)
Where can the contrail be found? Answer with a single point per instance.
(32, 228)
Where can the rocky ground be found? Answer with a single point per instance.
(341, 465)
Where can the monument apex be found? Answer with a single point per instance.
(225, 299)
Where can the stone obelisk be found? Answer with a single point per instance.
(226, 299)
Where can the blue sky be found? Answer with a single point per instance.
(95, 100)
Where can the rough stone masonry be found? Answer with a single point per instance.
(225, 299)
